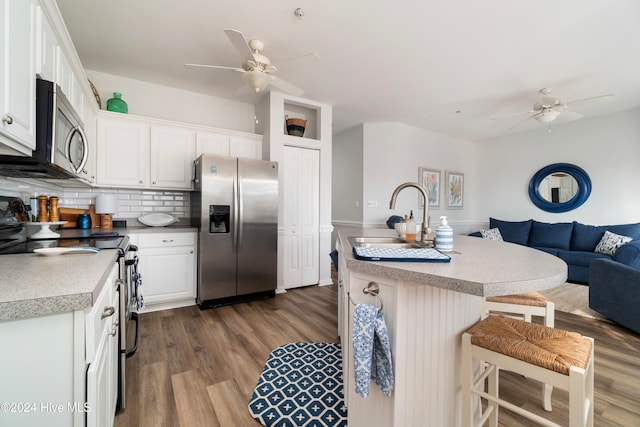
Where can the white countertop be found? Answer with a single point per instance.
(478, 266)
(34, 285)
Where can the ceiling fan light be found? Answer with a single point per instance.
(257, 80)
(547, 116)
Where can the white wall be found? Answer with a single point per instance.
(391, 155)
(163, 102)
(347, 182)
(607, 148)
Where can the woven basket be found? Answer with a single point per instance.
(295, 127)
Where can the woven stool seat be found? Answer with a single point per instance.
(554, 357)
(549, 348)
(534, 299)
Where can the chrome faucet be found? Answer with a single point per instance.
(425, 216)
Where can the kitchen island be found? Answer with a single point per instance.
(427, 306)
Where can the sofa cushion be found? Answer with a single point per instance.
(547, 235)
(586, 237)
(552, 251)
(582, 258)
(629, 254)
(514, 232)
(492, 234)
(610, 243)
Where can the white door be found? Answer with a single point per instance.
(301, 216)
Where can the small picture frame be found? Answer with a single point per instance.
(430, 181)
(455, 189)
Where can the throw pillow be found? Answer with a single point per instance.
(514, 232)
(492, 234)
(610, 243)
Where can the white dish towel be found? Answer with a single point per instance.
(371, 351)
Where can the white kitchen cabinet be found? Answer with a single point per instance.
(168, 267)
(246, 146)
(226, 144)
(17, 77)
(46, 48)
(172, 153)
(122, 153)
(102, 356)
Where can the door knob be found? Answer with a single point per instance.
(7, 119)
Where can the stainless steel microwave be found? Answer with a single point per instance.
(61, 145)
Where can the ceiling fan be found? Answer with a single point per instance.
(256, 69)
(549, 107)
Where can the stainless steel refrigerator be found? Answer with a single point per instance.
(235, 207)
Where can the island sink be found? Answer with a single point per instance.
(385, 242)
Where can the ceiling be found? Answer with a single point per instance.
(447, 66)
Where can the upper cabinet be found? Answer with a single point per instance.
(223, 143)
(17, 71)
(172, 152)
(141, 152)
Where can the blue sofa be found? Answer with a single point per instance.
(614, 291)
(572, 242)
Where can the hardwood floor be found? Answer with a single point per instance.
(197, 368)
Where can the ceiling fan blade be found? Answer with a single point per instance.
(240, 43)
(220, 67)
(520, 123)
(609, 97)
(311, 55)
(511, 115)
(571, 115)
(284, 85)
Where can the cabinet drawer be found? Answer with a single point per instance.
(101, 316)
(166, 240)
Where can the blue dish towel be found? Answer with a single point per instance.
(371, 351)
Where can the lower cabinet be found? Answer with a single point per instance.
(168, 268)
(62, 369)
(102, 375)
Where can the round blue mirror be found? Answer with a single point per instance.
(560, 187)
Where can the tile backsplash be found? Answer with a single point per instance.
(131, 203)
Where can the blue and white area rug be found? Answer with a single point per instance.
(301, 385)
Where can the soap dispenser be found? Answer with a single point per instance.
(444, 236)
(410, 235)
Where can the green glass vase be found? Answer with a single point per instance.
(117, 104)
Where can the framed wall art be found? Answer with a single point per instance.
(455, 189)
(430, 180)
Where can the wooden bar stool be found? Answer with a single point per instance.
(524, 306)
(552, 356)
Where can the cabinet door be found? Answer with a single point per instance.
(46, 48)
(169, 273)
(122, 153)
(212, 143)
(172, 155)
(248, 147)
(17, 70)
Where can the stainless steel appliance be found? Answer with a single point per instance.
(235, 207)
(61, 145)
(130, 281)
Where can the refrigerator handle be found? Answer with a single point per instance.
(240, 205)
(236, 214)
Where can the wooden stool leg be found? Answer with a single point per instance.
(467, 382)
(546, 397)
(493, 387)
